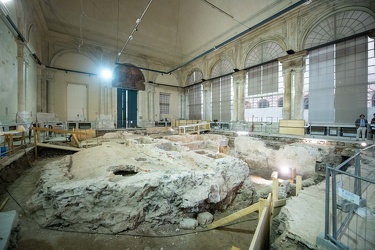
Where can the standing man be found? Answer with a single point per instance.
(372, 126)
(361, 125)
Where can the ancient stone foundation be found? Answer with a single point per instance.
(116, 187)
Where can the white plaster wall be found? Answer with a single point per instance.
(8, 75)
(31, 86)
(78, 62)
(174, 102)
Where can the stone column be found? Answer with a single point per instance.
(287, 100)
(110, 107)
(21, 86)
(241, 101)
(182, 104)
(235, 101)
(41, 89)
(50, 79)
(293, 63)
(239, 96)
(206, 100)
(298, 94)
(102, 98)
(151, 104)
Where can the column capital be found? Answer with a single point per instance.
(239, 75)
(294, 61)
(206, 85)
(50, 74)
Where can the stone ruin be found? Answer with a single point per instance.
(131, 180)
(117, 186)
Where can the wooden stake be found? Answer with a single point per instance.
(298, 184)
(275, 189)
(4, 202)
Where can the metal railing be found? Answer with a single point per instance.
(350, 189)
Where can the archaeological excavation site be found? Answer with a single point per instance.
(158, 189)
(187, 125)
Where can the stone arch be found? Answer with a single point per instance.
(329, 35)
(263, 52)
(33, 39)
(91, 67)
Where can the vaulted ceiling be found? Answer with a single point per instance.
(173, 31)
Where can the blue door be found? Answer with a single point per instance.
(127, 108)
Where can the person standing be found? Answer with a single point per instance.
(372, 128)
(361, 125)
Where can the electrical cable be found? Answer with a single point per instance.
(137, 22)
(80, 43)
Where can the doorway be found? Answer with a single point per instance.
(127, 108)
(76, 102)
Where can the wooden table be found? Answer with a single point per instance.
(9, 137)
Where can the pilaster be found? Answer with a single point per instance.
(293, 64)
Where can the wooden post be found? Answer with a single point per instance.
(298, 184)
(275, 189)
(35, 146)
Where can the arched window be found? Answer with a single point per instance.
(280, 102)
(195, 76)
(263, 103)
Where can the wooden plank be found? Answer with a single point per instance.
(292, 123)
(75, 140)
(261, 235)
(47, 145)
(291, 131)
(234, 216)
(263, 203)
(292, 127)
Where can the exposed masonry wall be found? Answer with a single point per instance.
(117, 186)
(161, 182)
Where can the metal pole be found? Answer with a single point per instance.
(357, 171)
(326, 221)
(334, 206)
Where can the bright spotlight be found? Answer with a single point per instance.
(106, 74)
(285, 171)
(363, 144)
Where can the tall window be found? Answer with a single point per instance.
(195, 102)
(195, 95)
(222, 91)
(164, 103)
(264, 88)
(340, 72)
